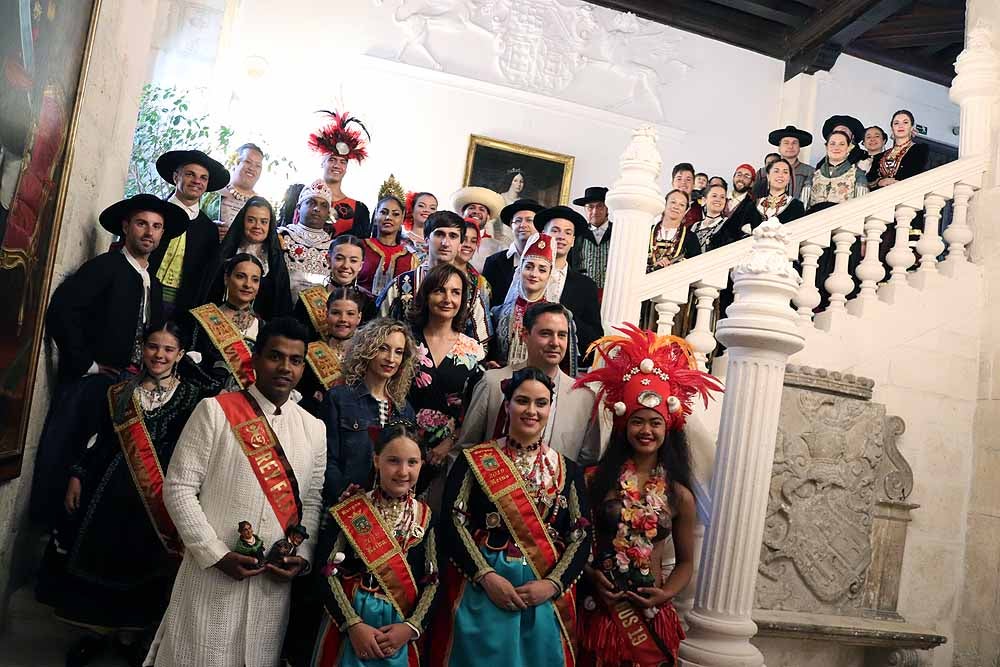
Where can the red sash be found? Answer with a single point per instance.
(378, 549)
(143, 463)
(314, 299)
(264, 454)
(324, 362)
(645, 644)
(504, 486)
(228, 340)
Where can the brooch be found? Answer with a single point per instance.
(493, 520)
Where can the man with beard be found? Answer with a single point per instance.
(790, 141)
(444, 232)
(243, 454)
(743, 180)
(96, 317)
(484, 206)
(499, 268)
(572, 427)
(181, 264)
(306, 242)
(248, 169)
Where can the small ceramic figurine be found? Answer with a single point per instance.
(249, 544)
(288, 545)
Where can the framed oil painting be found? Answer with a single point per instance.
(519, 172)
(44, 46)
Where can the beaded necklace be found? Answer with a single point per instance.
(533, 464)
(154, 398)
(892, 160)
(397, 512)
(242, 318)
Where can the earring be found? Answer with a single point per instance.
(375, 484)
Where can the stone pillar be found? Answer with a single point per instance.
(761, 331)
(975, 89)
(633, 201)
(797, 106)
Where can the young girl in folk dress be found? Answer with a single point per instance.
(382, 571)
(640, 495)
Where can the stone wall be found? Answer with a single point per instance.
(100, 152)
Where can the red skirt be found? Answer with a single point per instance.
(603, 643)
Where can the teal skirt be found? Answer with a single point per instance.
(376, 612)
(485, 635)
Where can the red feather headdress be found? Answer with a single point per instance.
(643, 370)
(339, 138)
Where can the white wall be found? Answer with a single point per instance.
(871, 93)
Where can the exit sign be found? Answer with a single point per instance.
(921, 129)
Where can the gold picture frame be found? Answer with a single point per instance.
(545, 176)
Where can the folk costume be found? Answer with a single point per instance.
(228, 205)
(784, 207)
(593, 244)
(800, 172)
(518, 511)
(306, 250)
(833, 184)
(95, 317)
(899, 162)
(389, 574)
(384, 262)
(224, 337)
(641, 370)
(182, 264)
(269, 471)
(273, 296)
(123, 551)
(856, 130)
(494, 234)
(500, 267)
(395, 299)
(572, 430)
(340, 138)
(672, 245)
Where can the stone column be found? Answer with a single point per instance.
(975, 89)
(633, 201)
(761, 332)
(797, 106)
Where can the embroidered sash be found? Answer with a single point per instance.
(228, 340)
(143, 463)
(264, 453)
(378, 549)
(647, 647)
(314, 300)
(324, 362)
(504, 486)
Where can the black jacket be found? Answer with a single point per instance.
(94, 314)
(579, 296)
(498, 269)
(200, 250)
(913, 163)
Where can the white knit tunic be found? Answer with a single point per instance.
(212, 620)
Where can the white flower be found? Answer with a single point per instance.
(646, 365)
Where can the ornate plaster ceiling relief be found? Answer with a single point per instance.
(566, 49)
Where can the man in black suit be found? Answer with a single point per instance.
(181, 264)
(572, 289)
(498, 269)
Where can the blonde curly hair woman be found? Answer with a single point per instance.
(378, 371)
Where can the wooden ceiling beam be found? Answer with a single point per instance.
(908, 63)
(771, 10)
(936, 37)
(823, 25)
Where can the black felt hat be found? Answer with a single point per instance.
(171, 161)
(564, 212)
(855, 126)
(790, 131)
(508, 211)
(175, 219)
(590, 195)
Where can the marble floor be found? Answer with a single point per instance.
(35, 638)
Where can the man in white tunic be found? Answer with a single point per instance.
(224, 610)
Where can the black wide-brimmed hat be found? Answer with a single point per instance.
(804, 137)
(175, 219)
(299, 529)
(508, 211)
(855, 126)
(564, 212)
(590, 195)
(171, 161)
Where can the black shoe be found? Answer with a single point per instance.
(85, 650)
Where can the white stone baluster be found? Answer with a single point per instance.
(958, 235)
(900, 258)
(929, 246)
(870, 271)
(839, 283)
(666, 311)
(808, 297)
(761, 331)
(702, 338)
(633, 201)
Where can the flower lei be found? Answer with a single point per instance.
(639, 520)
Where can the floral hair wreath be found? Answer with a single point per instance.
(643, 370)
(340, 138)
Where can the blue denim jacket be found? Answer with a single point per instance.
(348, 412)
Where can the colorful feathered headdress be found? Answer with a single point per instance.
(340, 138)
(643, 370)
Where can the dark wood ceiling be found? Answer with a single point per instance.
(919, 37)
